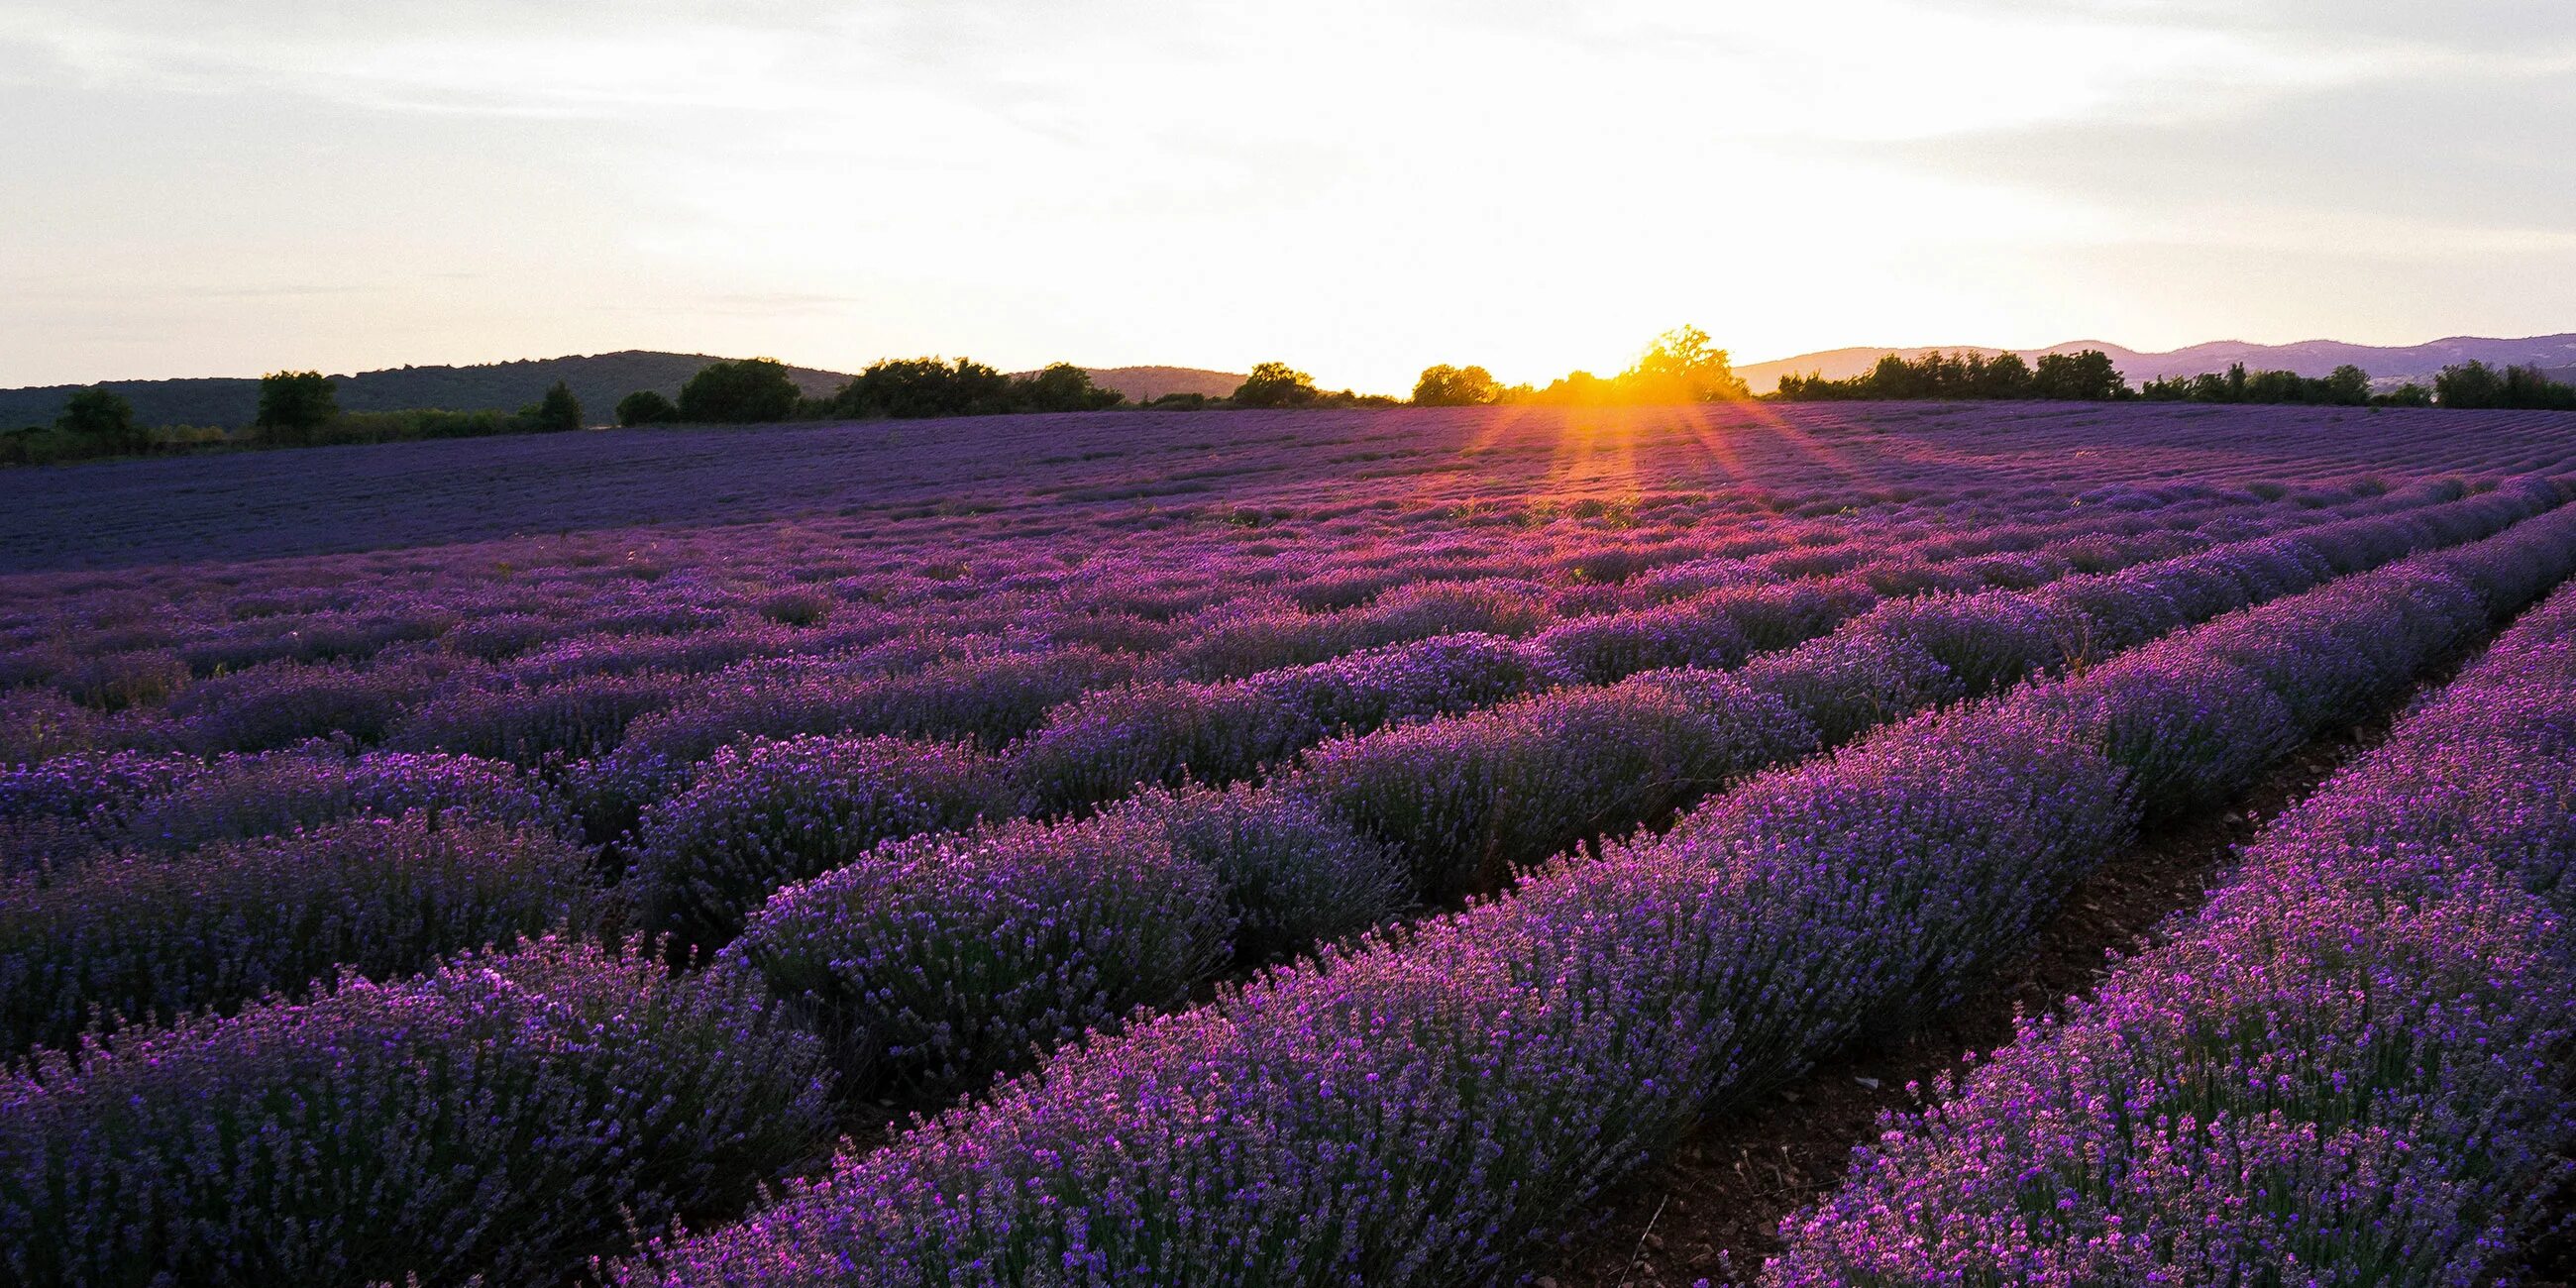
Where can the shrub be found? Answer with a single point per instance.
(127, 937)
(766, 815)
(1294, 875)
(505, 1115)
(1103, 746)
(578, 717)
(282, 703)
(1443, 675)
(1843, 685)
(1614, 646)
(1470, 800)
(2186, 731)
(239, 797)
(936, 961)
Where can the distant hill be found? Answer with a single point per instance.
(1145, 384)
(598, 380)
(2386, 365)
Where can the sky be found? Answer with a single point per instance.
(1357, 188)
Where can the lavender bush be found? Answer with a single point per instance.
(504, 1116)
(932, 963)
(123, 938)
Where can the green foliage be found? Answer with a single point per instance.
(2087, 376)
(2409, 394)
(1062, 386)
(1681, 366)
(915, 388)
(1275, 384)
(749, 392)
(2475, 385)
(2348, 386)
(1934, 375)
(104, 419)
(294, 406)
(1443, 385)
(555, 413)
(646, 407)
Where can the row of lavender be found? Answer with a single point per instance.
(2351, 1067)
(670, 723)
(1070, 924)
(256, 1143)
(993, 696)
(523, 662)
(1422, 1107)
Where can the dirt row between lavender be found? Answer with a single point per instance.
(1710, 1212)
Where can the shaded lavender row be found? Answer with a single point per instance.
(503, 1115)
(61, 812)
(122, 939)
(1469, 799)
(2351, 1067)
(1424, 1106)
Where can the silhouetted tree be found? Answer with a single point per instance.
(909, 388)
(103, 421)
(1443, 385)
(556, 412)
(1682, 366)
(645, 407)
(2473, 384)
(1061, 386)
(749, 392)
(295, 405)
(2087, 375)
(1275, 384)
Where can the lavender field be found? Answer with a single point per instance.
(1327, 847)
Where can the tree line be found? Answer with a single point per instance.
(1680, 366)
(2089, 376)
(298, 408)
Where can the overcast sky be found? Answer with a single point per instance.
(1359, 188)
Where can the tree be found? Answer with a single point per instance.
(295, 405)
(102, 418)
(555, 413)
(2470, 384)
(1443, 385)
(1062, 386)
(1682, 366)
(911, 388)
(2088, 375)
(753, 391)
(2531, 389)
(645, 407)
(2348, 386)
(1275, 384)
(2004, 375)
